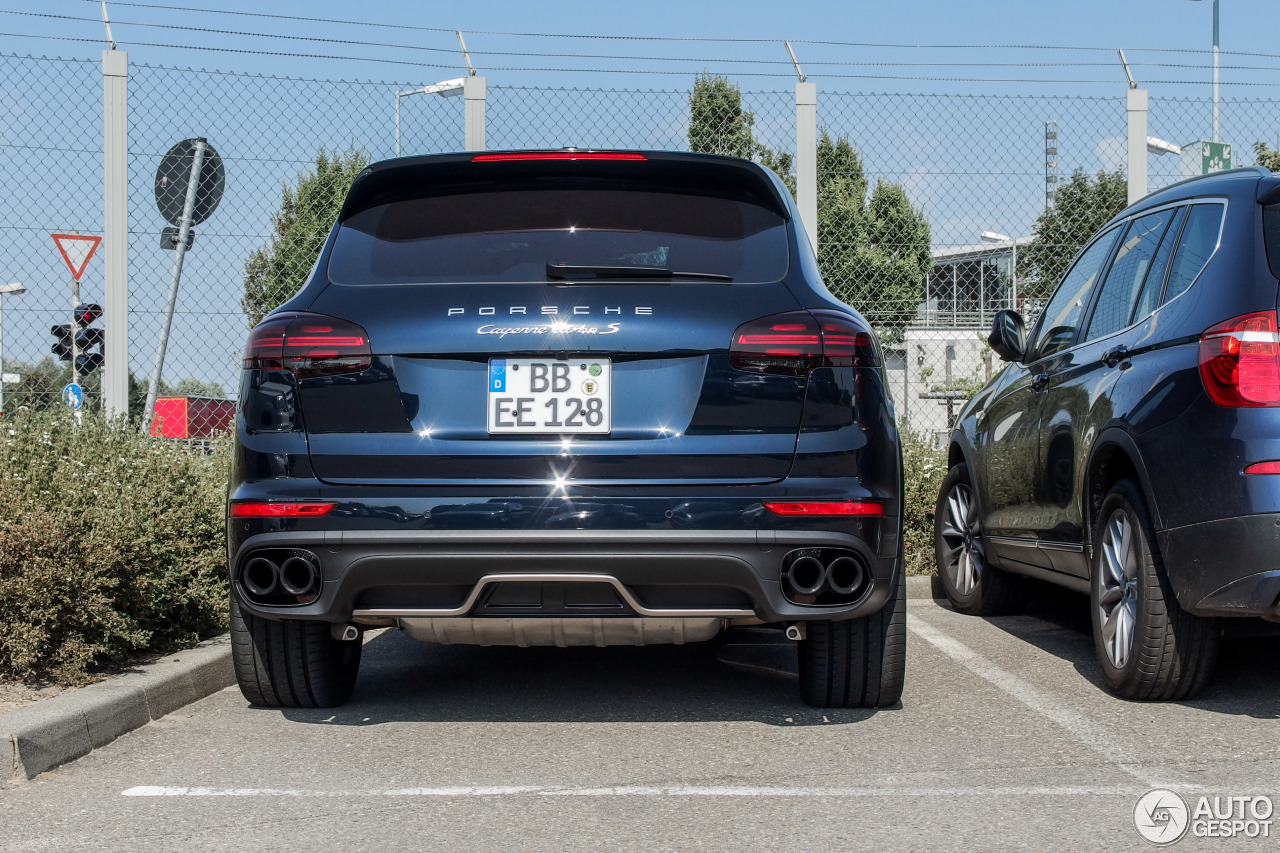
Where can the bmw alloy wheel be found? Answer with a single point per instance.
(1118, 591)
(962, 535)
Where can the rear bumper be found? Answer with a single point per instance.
(392, 574)
(1226, 567)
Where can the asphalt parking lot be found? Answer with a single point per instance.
(1005, 740)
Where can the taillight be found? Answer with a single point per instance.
(1240, 361)
(308, 345)
(824, 508)
(265, 509)
(1269, 467)
(795, 343)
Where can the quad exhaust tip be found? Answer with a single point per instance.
(261, 577)
(279, 578)
(824, 576)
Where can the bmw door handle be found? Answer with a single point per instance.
(1039, 382)
(1115, 355)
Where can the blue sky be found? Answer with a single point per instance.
(1247, 26)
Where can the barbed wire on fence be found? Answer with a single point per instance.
(934, 211)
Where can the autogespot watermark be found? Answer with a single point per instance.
(1163, 817)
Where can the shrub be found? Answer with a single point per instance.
(923, 467)
(111, 544)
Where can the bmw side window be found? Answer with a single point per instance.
(1197, 244)
(1129, 270)
(1150, 295)
(1058, 321)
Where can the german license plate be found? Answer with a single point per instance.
(529, 395)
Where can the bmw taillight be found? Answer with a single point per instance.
(795, 343)
(308, 345)
(1240, 361)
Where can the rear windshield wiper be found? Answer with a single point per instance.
(569, 271)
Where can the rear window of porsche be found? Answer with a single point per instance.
(512, 235)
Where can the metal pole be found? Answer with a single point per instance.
(982, 292)
(474, 92)
(1, 353)
(807, 158)
(75, 326)
(1013, 299)
(1215, 71)
(397, 124)
(1136, 113)
(955, 295)
(179, 252)
(115, 232)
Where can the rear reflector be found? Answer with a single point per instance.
(251, 509)
(1272, 467)
(1240, 361)
(795, 343)
(824, 508)
(508, 156)
(308, 345)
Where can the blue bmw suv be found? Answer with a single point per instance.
(1130, 450)
(564, 398)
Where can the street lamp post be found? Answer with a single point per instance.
(1215, 70)
(445, 89)
(13, 288)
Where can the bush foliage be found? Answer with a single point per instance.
(111, 544)
(923, 467)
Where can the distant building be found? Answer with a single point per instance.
(970, 283)
(943, 357)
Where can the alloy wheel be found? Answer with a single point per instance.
(962, 535)
(1118, 588)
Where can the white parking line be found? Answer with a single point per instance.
(654, 791)
(1088, 732)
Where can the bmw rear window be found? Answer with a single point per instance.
(512, 235)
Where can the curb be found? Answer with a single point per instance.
(46, 734)
(925, 586)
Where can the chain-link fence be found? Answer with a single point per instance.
(933, 211)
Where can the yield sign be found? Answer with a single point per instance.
(76, 250)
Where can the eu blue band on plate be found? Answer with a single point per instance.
(498, 375)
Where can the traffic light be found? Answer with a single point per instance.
(61, 342)
(86, 339)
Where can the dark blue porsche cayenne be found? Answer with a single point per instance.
(564, 398)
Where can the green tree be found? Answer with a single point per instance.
(274, 272)
(719, 125)
(40, 385)
(873, 246)
(192, 387)
(873, 249)
(717, 122)
(1266, 157)
(1080, 207)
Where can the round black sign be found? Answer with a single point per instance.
(174, 173)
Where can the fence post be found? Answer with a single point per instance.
(807, 158)
(115, 232)
(1136, 112)
(473, 93)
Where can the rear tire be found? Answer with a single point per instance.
(857, 663)
(972, 584)
(1148, 647)
(291, 663)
